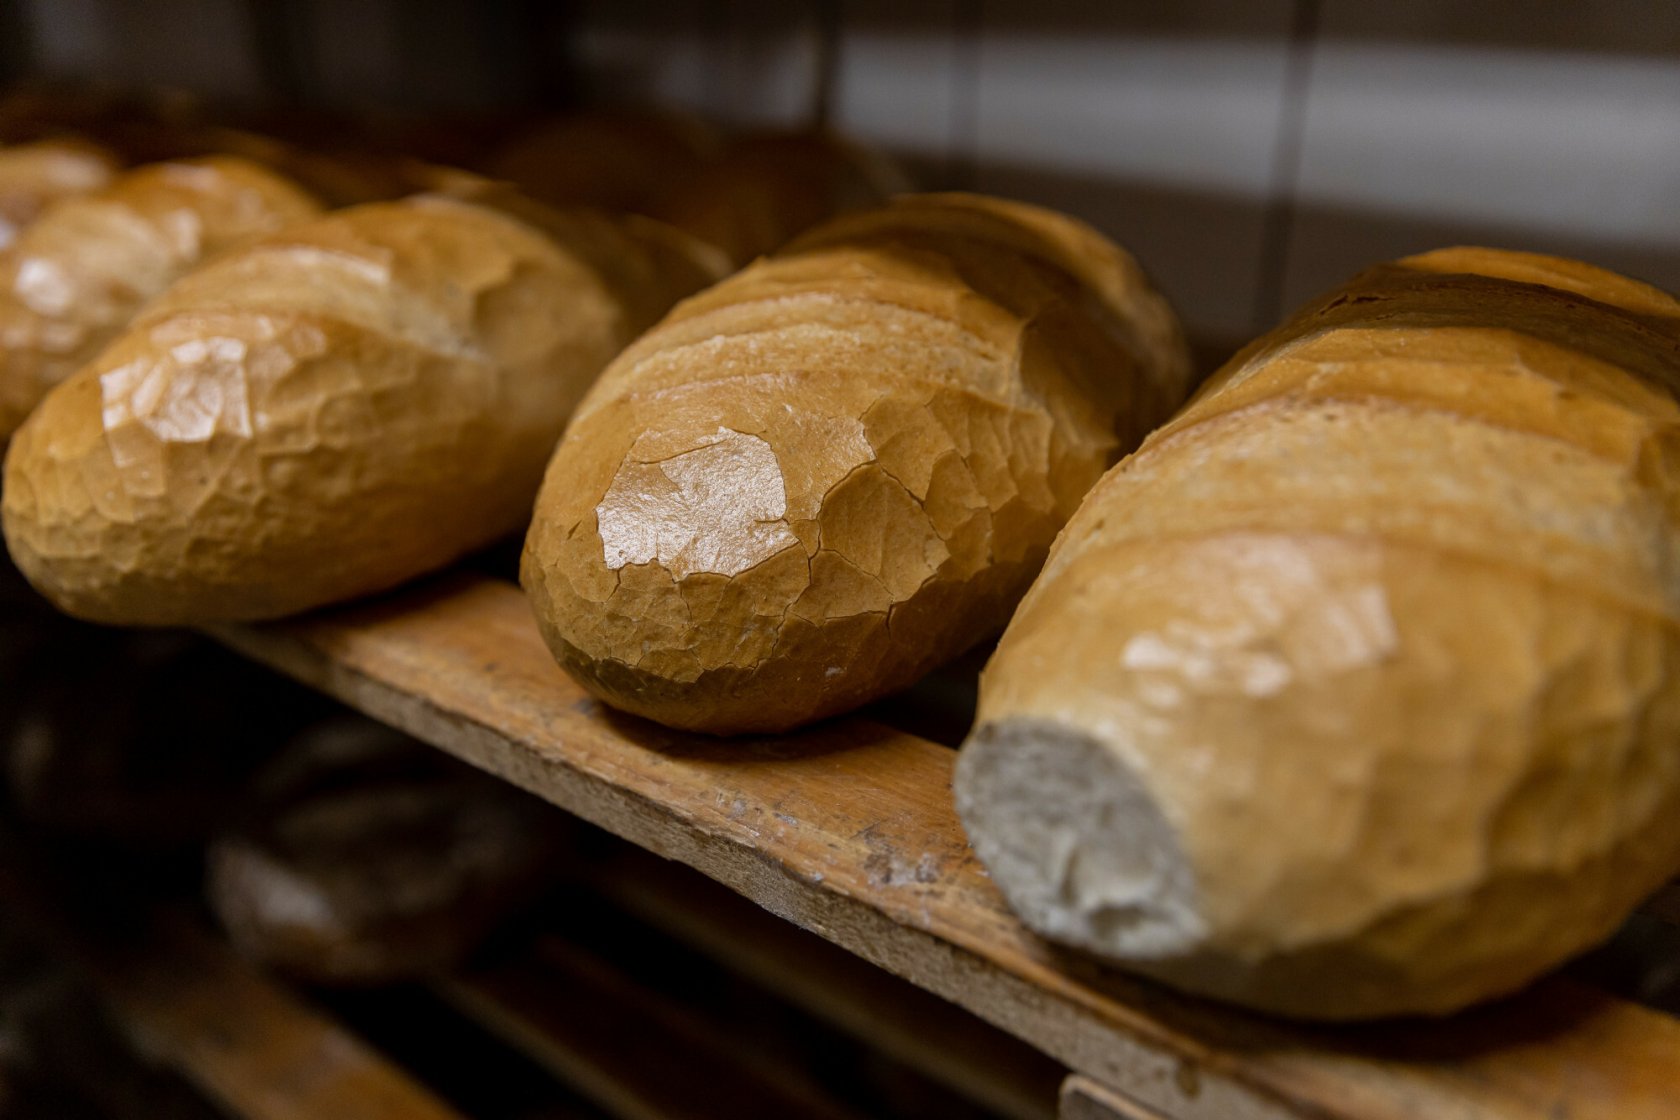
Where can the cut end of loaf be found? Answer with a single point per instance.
(1076, 841)
(1385, 621)
(1086, 856)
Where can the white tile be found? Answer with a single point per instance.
(75, 38)
(748, 63)
(900, 76)
(203, 46)
(352, 52)
(1156, 122)
(650, 50)
(770, 61)
(1417, 136)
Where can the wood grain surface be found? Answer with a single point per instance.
(620, 1043)
(848, 830)
(1084, 1099)
(249, 1043)
(921, 1030)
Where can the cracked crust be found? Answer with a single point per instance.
(328, 411)
(75, 277)
(34, 176)
(815, 481)
(1380, 633)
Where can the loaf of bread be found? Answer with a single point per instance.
(34, 176)
(330, 410)
(842, 466)
(615, 159)
(767, 188)
(75, 277)
(1356, 690)
(335, 175)
(371, 859)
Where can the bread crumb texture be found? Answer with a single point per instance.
(328, 411)
(823, 476)
(74, 278)
(1381, 632)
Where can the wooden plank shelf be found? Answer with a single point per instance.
(922, 1031)
(634, 1054)
(848, 830)
(244, 1040)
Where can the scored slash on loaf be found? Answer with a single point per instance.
(1356, 690)
(841, 467)
(75, 276)
(330, 410)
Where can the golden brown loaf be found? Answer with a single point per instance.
(366, 858)
(337, 176)
(34, 176)
(621, 160)
(767, 188)
(327, 411)
(1356, 691)
(820, 478)
(75, 277)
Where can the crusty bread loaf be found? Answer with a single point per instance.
(766, 188)
(615, 159)
(368, 858)
(1356, 690)
(338, 176)
(327, 411)
(820, 478)
(76, 276)
(34, 176)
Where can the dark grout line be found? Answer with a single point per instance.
(280, 42)
(1278, 229)
(963, 144)
(721, 90)
(827, 23)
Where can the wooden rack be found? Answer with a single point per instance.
(847, 830)
(584, 1021)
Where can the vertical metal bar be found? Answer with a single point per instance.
(546, 30)
(280, 38)
(826, 27)
(963, 154)
(1278, 230)
(722, 93)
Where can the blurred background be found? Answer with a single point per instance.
(1251, 152)
(153, 787)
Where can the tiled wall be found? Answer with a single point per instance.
(1250, 151)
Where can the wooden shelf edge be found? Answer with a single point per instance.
(1084, 1099)
(846, 830)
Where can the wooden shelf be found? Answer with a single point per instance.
(245, 1041)
(848, 830)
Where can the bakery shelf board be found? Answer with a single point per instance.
(245, 1041)
(608, 1053)
(918, 1029)
(848, 830)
